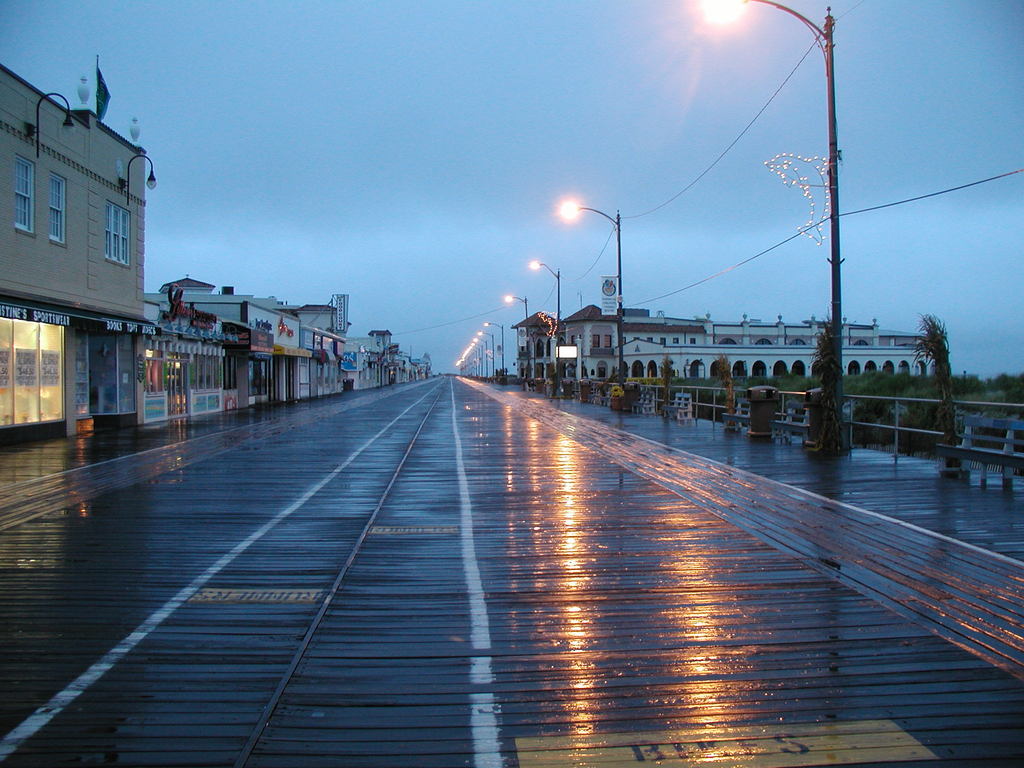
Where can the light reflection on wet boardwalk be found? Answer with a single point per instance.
(623, 623)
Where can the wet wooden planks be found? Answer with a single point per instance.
(615, 606)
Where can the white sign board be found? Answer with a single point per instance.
(609, 294)
(340, 303)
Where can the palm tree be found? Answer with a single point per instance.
(666, 380)
(724, 371)
(932, 346)
(826, 367)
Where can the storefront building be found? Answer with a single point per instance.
(65, 370)
(71, 266)
(326, 371)
(185, 363)
(291, 361)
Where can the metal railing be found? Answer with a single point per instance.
(889, 424)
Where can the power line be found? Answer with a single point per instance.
(453, 322)
(818, 223)
(734, 142)
(932, 194)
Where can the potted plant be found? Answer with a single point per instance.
(616, 397)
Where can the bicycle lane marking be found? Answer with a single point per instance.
(483, 710)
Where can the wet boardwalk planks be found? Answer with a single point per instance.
(625, 623)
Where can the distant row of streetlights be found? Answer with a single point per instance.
(467, 352)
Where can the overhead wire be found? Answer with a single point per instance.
(732, 144)
(821, 221)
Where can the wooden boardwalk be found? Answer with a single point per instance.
(436, 577)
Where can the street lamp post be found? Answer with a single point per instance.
(824, 38)
(480, 335)
(570, 210)
(150, 182)
(558, 317)
(35, 129)
(529, 347)
(504, 370)
(487, 333)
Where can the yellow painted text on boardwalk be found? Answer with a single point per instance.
(257, 596)
(782, 746)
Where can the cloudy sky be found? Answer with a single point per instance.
(412, 154)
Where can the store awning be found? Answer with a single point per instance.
(291, 351)
(57, 314)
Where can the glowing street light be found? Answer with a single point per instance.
(526, 308)
(504, 371)
(723, 11)
(570, 210)
(824, 39)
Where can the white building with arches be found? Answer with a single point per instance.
(753, 347)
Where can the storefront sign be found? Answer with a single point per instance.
(82, 318)
(125, 326)
(283, 330)
(249, 340)
(195, 317)
(28, 314)
(340, 313)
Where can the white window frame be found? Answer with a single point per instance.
(58, 206)
(24, 194)
(118, 234)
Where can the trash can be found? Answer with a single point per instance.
(763, 402)
(567, 387)
(348, 385)
(584, 390)
(812, 405)
(629, 396)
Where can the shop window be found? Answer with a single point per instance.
(230, 373)
(117, 234)
(206, 372)
(111, 370)
(258, 378)
(154, 373)
(57, 203)
(31, 372)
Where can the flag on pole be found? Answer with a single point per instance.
(102, 92)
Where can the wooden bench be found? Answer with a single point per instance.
(741, 417)
(989, 442)
(794, 423)
(680, 407)
(645, 403)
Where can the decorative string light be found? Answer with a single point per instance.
(794, 171)
(548, 321)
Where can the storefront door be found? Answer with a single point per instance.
(177, 387)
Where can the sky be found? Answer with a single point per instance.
(413, 154)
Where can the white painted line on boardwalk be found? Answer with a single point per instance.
(44, 714)
(483, 711)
